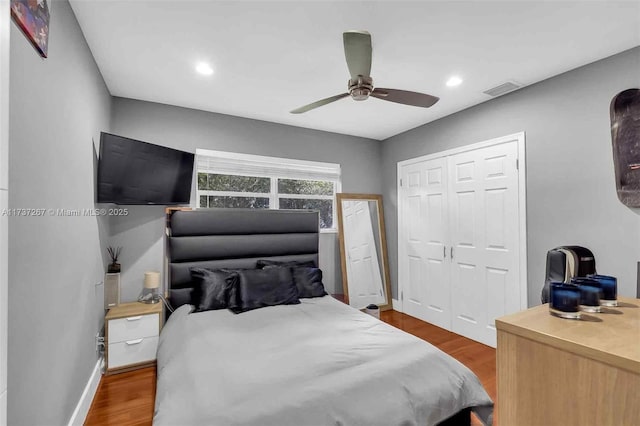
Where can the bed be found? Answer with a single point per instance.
(317, 362)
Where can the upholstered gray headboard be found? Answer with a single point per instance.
(234, 238)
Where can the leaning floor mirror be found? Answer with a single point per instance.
(363, 251)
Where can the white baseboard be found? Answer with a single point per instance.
(82, 409)
(3, 408)
(397, 306)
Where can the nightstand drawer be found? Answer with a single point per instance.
(133, 327)
(132, 351)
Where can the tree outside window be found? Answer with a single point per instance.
(262, 192)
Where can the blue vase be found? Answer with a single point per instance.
(590, 293)
(609, 289)
(564, 300)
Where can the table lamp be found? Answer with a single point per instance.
(150, 292)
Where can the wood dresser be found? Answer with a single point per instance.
(554, 371)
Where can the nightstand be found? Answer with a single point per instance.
(131, 336)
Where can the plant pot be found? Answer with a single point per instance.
(113, 268)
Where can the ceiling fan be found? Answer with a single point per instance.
(357, 51)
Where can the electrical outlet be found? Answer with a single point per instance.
(99, 343)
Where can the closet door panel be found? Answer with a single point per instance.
(438, 295)
(501, 250)
(467, 239)
(424, 197)
(484, 239)
(411, 273)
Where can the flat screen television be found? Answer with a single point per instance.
(134, 172)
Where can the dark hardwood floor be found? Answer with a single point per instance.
(124, 399)
(128, 398)
(479, 358)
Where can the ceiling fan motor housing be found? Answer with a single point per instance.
(360, 88)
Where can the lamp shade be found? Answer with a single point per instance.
(151, 279)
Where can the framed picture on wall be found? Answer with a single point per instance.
(32, 16)
(625, 135)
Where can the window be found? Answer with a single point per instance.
(233, 180)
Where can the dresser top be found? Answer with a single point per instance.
(134, 308)
(612, 337)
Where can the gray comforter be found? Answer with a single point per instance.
(317, 363)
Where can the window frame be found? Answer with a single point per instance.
(274, 168)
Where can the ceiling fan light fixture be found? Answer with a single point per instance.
(204, 68)
(454, 81)
(361, 94)
(360, 88)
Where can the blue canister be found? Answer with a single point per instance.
(564, 300)
(590, 293)
(609, 289)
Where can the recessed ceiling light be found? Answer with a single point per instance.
(204, 68)
(454, 81)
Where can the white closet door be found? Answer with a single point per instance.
(363, 268)
(424, 271)
(483, 188)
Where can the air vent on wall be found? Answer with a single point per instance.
(503, 88)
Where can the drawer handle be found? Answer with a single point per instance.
(134, 318)
(133, 342)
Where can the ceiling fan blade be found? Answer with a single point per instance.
(357, 51)
(405, 97)
(319, 103)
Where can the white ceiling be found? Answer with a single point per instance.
(270, 57)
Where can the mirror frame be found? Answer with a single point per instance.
(383, 243)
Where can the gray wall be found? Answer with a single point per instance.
(571, 197)
(60, 104)
(140, 233)
(57, 106)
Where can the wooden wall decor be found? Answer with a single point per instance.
(625, 136)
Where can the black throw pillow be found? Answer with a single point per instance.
(308, 281)
(261, 263)
(214, 286)
(258, 288)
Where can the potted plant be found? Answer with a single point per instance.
(114, 266)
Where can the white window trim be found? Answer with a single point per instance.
(225, 162)
(259, 165)
(305, 196)
(234, 194)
